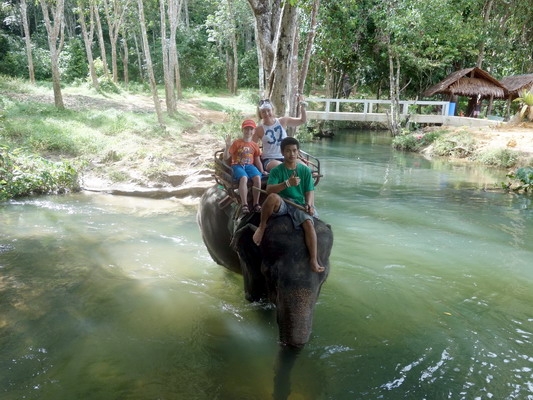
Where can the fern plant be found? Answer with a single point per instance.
(526, 109)
(523, 180)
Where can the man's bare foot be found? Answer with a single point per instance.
(316, 267)
(258, 236)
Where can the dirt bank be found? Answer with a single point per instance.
(187, 160)
(515, 137)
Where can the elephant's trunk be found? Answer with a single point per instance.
(295, 310)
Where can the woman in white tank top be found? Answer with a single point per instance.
(272, 131)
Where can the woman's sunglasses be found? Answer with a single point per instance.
(265, 103)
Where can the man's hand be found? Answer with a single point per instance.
(294, 180)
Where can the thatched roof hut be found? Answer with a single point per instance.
(515, 84)
(470, 82)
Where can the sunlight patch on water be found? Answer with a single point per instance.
(335, 349)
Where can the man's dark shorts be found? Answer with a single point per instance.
(298, 216)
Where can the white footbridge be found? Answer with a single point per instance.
(364, 110)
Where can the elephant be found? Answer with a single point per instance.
(277, 270)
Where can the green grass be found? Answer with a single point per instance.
(91, 133)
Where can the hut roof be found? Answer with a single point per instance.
(516, 83)
(468, 82)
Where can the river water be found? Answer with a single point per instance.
(429, 297)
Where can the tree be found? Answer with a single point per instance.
(27, 39)
(225, 26)
(276, 28)
(313, 23)
(170, 55)
(56, 37)
(149, 67)
(88, 36)
(114, 13)
(100, 34)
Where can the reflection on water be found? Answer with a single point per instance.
(430, 294)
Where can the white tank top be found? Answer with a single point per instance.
(273, 135)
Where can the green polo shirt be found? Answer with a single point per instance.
(281, 173)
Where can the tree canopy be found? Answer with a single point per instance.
(262, 44)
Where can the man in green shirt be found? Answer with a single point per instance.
(293, 181)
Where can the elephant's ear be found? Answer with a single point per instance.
(250, 258)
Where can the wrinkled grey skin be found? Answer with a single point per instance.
(278, 270)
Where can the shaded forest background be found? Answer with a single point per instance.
(375, 43)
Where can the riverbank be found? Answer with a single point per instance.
(192, 175)
(141, 159)
(494, 146)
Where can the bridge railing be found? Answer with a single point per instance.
(367, 110)
(369, 106)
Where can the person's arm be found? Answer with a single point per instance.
(310, 202)
(293, 122)
(258, 134)
(274, 187)
(259, 165)
(227, 154)
(277, 187)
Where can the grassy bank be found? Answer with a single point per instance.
(115, 135)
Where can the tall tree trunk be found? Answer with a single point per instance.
(280, 77)
(88, 36)
(56, 39)
(168, 77)
(292, 80)
(170, 55)
(27, 39)
(125, 58)
(267, 17)
(309, 46)
(394, 78)
(235, 56)
(276, 27)
(186, 20)
(174, 16)
(115, 19)
(486, 19)
(139, 57)
(261, 64)
(101, 42)
(149, 68)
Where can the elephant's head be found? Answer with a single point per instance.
(278, 270)
(292, 286)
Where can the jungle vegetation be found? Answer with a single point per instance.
(387, 48)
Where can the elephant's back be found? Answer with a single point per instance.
(213, 221)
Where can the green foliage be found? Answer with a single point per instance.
(526, 100)
(12, 55)
(415, 141)
(40, 128)
(504, 158)
(522, 180)
(105, 82)
(232, 127)
(204, 68)
(248, 71)
(23, 174)
(73, 61)
(458, 145)
(107, 85)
